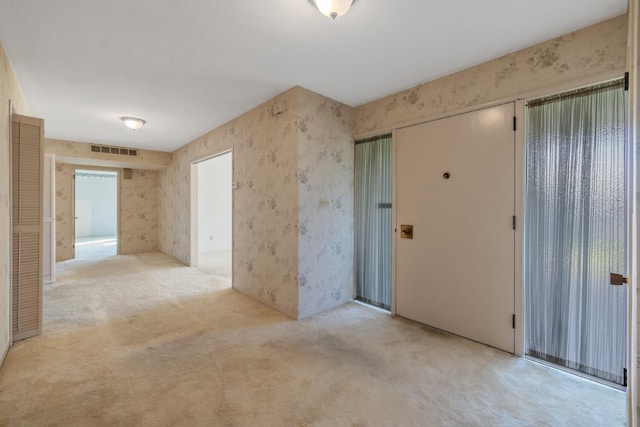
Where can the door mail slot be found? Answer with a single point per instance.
(406, 231)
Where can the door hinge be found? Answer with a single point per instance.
(626, 81)
(514, 222)
(515, 123)
(513, 321)
(624, 377)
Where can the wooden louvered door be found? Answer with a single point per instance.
(27, 222)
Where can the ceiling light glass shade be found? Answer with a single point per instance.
(333, 8)
(133, 123)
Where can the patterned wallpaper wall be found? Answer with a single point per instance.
(138, 230)
(285, 150)
(64, 211)
(325, 203)
(265, 203)
(80, 153)
(138, 212)
(591, 51)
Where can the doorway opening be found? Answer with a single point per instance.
(576, 207)
(96, 214)
(212, 215)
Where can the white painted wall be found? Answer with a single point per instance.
(214, 204)
(96, 203)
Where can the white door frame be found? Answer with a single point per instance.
(50, 182)
(193, 229)
(633, 136)
(73, 202)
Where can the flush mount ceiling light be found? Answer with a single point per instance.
(133, 123)
(333, 8)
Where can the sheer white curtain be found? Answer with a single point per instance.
(373, 220)
(575, 230)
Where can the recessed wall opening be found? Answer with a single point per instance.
(96, 214)
(212, 208)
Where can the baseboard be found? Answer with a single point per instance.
(4, 353)
(268, 303)
(323, 309)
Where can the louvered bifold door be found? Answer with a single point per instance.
(27, 216)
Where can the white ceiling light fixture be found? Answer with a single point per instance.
(333, 8)
(133, 123)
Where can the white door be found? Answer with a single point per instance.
(455, 186)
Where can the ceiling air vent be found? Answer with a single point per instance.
(107, 149)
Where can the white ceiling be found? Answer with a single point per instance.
(189, 66)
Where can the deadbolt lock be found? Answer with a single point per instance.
(406, 231)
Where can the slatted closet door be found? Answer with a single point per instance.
(27, 185)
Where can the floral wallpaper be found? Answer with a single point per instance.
(64, 211)
(264, 205)
(138, 228)
(592, 51)
(80, 153)
(286, 253)
(325, 203)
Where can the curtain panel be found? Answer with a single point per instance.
(576, 230)
(373, 228)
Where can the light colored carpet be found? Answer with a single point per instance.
(217, 263)
(95, 248)
(128, 343)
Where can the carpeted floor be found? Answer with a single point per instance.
(145, 341)
(217, 263)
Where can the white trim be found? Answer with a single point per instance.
(193, 205)
(633, 58)
(10, 259)
(6, 350)
(394, 220)
(519, 164)
(52, 190)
